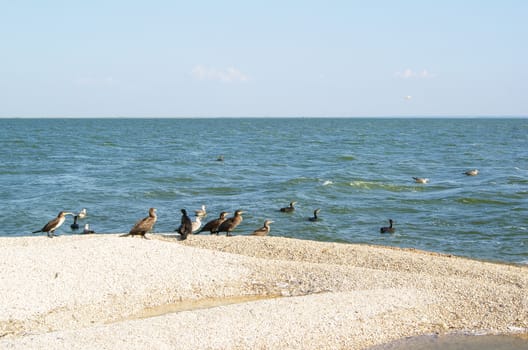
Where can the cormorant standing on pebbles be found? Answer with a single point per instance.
(185, 228)
(231, 223)
(288, 209)
(54, 224)
(315, 218)
(213, 225)
(264, 230)
(389, 229)
(144, 225)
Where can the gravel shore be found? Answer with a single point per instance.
(210, 292)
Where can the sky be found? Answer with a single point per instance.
(156, 58)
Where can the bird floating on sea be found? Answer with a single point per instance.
(388, 229)
(230, 224)
(54, 224)
(213, 225)
(144, 225)
(75, 225)
(421, 180)
(473, 172)
(82, 214)
(315, 217)
(201, 212)
(264, 230)
(289, 208)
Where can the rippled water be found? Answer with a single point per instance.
(358, 171)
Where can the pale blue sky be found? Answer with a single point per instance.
(125, 58)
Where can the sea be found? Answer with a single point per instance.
(357, 171)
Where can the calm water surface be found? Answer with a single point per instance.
(358, 171)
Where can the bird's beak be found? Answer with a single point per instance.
(69, 214)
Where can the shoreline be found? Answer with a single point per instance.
(245, 292)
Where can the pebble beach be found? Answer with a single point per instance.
(215, 292)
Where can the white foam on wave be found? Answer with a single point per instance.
(327, 182)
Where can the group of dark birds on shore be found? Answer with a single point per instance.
(222, 224)
(188, 227)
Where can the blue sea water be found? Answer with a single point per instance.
(357, 170)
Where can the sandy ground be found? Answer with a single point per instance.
(209, 292)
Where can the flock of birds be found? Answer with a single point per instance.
(188, 227)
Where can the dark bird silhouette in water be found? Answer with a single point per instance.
(144, 225)
(289, 208)
(87, 230)
(75, 225)
(185, 228)
(54, 224)
(314, 217)
(388, 229)
(473, 172)
(264, 230)
(231, 223)
(213, 225)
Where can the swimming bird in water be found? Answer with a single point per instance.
(231, 223)
(196, 224)
(289, 209)
(388, 229)
(185, 228)
(473, 172)
(264, 230)
(87, 230)
(82, 214)
(315, 218)
(421, 180)
(54, 224)
(213, 225)
(75, 225)
(220, 158)
(144, 225)
(201, 212)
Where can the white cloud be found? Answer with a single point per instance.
(227, 75)
(410, 74)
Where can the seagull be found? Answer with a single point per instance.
(196, 224)
(87, 230)
(421, 180)
(473, 172)
(54, 224)
(264, 230)
(201, 212)
(389, 229)
(82, 214)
